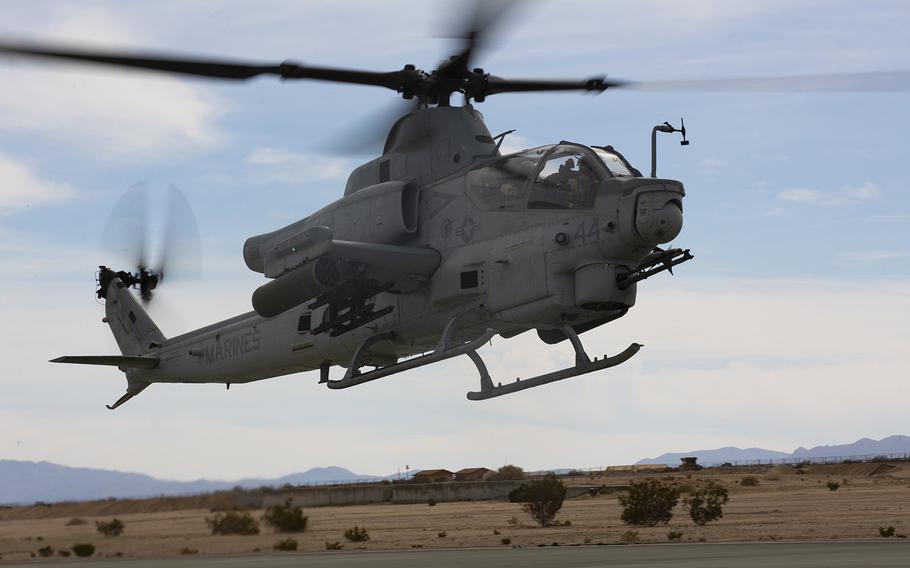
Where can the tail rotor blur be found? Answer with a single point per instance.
(127, 236)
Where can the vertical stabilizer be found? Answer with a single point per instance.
(134, 330)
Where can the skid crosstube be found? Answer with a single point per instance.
(353, 377)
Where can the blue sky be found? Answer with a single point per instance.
(790, 327)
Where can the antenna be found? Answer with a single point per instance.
(668, 128)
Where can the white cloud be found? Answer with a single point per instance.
(20, 187)
(285, 166)
(108, 112)
(847, 195)
(800, 195)
(872, 255)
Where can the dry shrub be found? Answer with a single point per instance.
(83, 550)
(285, 518)
(357, 534)
(706, 504)
(114, 527)
(648, 503)
(544, 499)
(233, 523)
(286, 545)
(749, 481)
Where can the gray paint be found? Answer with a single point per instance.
(460, 237)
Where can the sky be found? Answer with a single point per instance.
(789, 328)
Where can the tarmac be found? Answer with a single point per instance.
(867, 554)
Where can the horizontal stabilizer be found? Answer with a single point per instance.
(112, 360)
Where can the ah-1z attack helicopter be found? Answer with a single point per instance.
(437, 245)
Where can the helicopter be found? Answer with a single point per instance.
(436, 246)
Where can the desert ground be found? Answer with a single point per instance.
(792, 504)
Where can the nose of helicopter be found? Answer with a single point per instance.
(658, 217)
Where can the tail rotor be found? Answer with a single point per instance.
(127, 236)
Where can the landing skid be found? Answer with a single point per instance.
(597, 364)
(446, 350)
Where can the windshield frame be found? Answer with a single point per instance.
(634, 172)
(566, 148)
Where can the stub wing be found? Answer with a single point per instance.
(315, 266)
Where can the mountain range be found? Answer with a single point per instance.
(28, 482)
(861, 447)
(24, 482)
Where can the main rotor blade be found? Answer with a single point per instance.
(369, 132)
(876, 81)
(220, 69)
(595, 84)
(475, 31)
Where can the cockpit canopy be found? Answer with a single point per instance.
(558, 176)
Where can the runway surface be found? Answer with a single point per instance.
(742, 555)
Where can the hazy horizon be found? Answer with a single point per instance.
(789, 328)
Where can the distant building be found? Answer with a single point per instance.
(689, 464)
(472, 474)
(432, 475)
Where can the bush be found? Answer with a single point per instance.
(83, 550)
(629, 537)
(64, 553)
(674, 535)
(76, 521)
(519, 494)
(706, 504)
(285, 518)
(505, 540)
(431, 502)
(233, 523)
(442, 534)
(833, 486)
(114, 527)
(288, 544)
(544, 499)
(749, 481)
(508, 473)
(185, 551)
(886, 532)
(333, 545)
(357, 534)
(648, 503)
(46, 551)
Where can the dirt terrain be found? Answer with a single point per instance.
(787, 504)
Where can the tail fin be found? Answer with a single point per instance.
(135, 332)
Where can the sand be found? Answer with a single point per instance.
(787, 504)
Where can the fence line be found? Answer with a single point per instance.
(822, 460)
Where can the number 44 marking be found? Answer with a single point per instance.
(587, 230)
